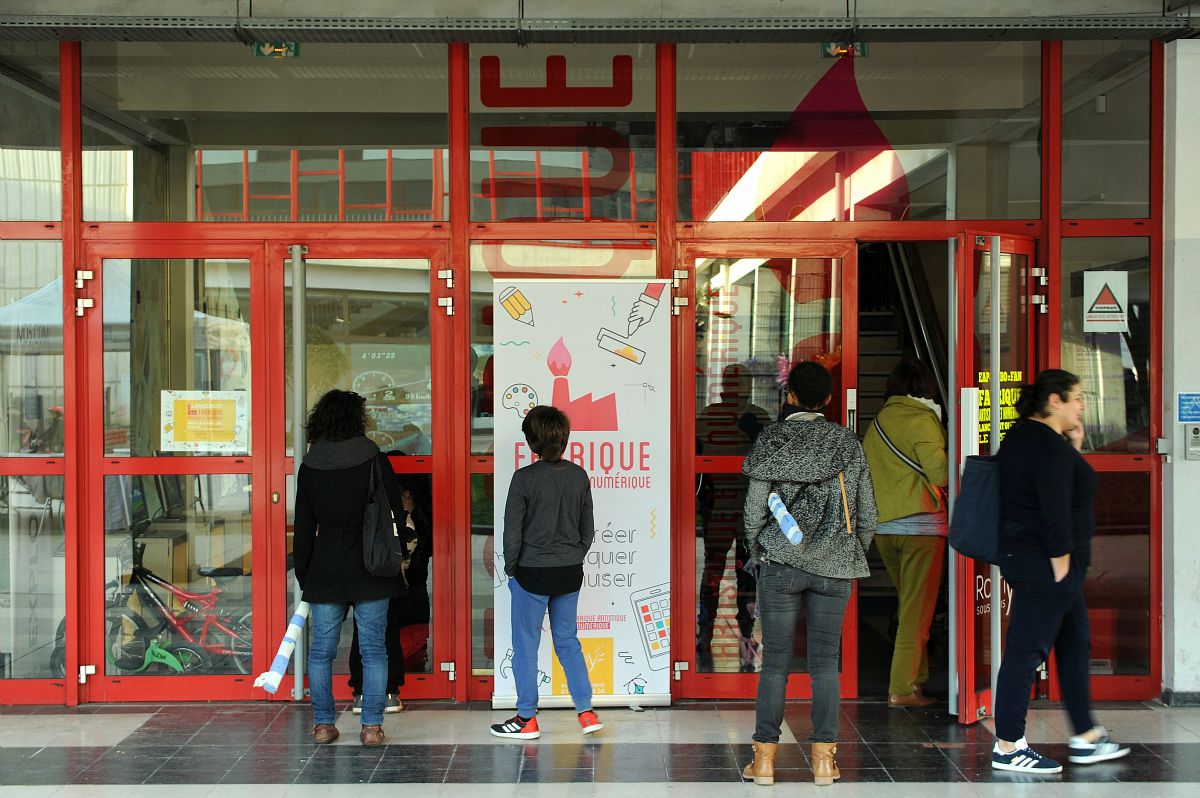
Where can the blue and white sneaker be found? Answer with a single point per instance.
(1024, 760)
(1083, 752)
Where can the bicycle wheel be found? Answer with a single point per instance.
(192, 658)
(241, 643)
(126, 636)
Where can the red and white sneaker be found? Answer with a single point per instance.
(589, 722)
(517, 728)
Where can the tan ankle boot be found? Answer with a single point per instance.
(825, 769)
(762, 769)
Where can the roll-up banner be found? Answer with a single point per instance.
(599, 350)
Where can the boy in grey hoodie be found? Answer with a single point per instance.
(820, 472)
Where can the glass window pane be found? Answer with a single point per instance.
(30, 132)
(633, 260)
(31, 347)
(1014, 345)
(177, 562)
(209, 132)
(1118, 586)
(754, 318)
(367, 330)
(562, 132)
(930, 130)
(1106, 129)
(32, 578)
(1113, 366)
(172, 388)
(483, 574)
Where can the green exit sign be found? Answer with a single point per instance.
(277, 49)
(841, 49)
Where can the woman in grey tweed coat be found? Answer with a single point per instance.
(820, 472)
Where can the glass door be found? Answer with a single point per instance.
(174, 409)
(998, 296)
(371, 324)
(755, 310)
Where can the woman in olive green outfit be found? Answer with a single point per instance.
(906, 449)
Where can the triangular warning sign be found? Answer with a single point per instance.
(1106, 302)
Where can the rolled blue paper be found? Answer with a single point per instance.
(784, 519)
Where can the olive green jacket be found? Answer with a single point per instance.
(917, 432)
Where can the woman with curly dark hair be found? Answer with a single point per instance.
(331, 499)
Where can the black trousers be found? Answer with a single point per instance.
(1045, 616)
(395, 654)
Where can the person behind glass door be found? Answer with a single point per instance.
(819, 471)
(414, 527)
(726, 428)
(1047, 491)
(548, 529)
(911, 536)
(331, 500)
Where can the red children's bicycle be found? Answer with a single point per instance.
(203, 636)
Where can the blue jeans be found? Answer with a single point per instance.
(783, 592)
(528, 610)
(325, 625)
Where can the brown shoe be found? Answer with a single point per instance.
(762, 769)
(825, 769)
(371, 736)
(325, 733)
(914, 699)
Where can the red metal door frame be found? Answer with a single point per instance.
(691, 683)
(448, 583)
(972, 700)
(95, 465)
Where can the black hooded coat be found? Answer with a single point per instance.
(331, 498)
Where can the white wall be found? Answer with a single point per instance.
(1181, 367)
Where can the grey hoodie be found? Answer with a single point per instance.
(800, 460)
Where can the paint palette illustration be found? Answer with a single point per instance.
(521, 398)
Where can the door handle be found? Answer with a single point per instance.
(852, 409)
(275, 497)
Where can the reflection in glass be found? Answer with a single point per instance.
(149, 351)
(207, 132)
(483, 574)
(1014, 352)
(177, 574)
(558, 136)
(755, 317)
(497, 260)
(1117, 589)
(30, 155)
(31, 347)
(367, 330)
(32, 578)
(1106, 129)
(1113, 366)
(930, 130)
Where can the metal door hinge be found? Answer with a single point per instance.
(677, 303)
(677, 275)
(1041, 274)
(680, 667)
(85, 671)
(1161, 446)
(446, 302)
(82, 276)
(447, 275)
(1040, 302)
(83, 304)
(450, 670)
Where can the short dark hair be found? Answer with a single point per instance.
(337, 416)
(547, 430)
(911, 378)
(1036, 396)
(811, 383)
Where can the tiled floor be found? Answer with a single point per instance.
(435, 749)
